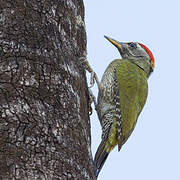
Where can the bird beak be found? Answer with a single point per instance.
(118, 44)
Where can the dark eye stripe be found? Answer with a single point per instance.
(132, 45)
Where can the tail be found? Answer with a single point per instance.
(100, 158)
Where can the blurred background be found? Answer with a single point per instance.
(153, 150)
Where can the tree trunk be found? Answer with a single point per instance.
(44, 121)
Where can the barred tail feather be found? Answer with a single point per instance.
(100, 158)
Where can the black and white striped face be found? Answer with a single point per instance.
(133, 50)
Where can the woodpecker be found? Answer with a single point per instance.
(122, 95)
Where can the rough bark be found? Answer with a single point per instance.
(44, 122)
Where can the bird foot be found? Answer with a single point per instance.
(93, 79)
(87, 67)
(92, 100)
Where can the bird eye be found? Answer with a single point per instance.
(132, 45)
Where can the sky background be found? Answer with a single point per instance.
(153, 150)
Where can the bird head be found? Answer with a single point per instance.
(137, 53)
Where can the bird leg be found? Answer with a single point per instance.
(93, 79)
(92, 99)
(88, 68)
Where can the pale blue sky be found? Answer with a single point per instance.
(153, 150)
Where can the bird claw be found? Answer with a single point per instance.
(93, 79)
(87, 67)
(92, 99)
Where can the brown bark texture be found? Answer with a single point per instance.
(44, 121)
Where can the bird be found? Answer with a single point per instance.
(122, 95)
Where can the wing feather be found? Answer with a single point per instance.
(132, 89)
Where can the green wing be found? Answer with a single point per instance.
(133, 90)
